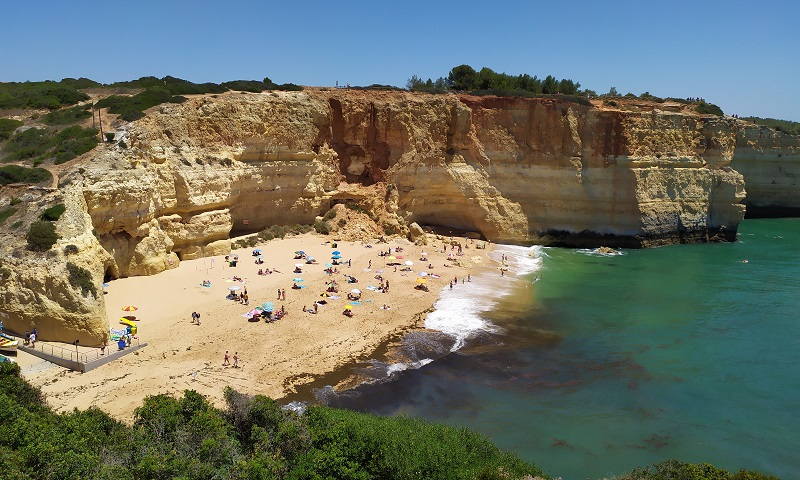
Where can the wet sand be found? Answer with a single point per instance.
(274, 358)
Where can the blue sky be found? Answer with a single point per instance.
(741, 55)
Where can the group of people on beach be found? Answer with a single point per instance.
(226, 361)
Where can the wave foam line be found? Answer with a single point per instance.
(459, 312)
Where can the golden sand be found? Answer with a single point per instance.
(274, 358)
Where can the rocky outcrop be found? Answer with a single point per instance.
(36, 291)
(184, 180)
(770, 162)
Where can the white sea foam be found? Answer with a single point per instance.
(459, 312)
(401, 367)
(596, 252)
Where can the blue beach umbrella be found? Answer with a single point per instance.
(329, 265)
(336, 252)
(267, 307)
(297, 279)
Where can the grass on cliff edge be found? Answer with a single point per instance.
(252, 438)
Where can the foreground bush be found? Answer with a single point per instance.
(253, 438)
(675, 470)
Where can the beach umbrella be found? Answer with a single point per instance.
(297, 279)
(392, 258)
(105, 285)
(324, 294)
(268, 307)
(260, 257)
(409, 262)
(421, 280)
(356, 291)
(234, 288)
(129, 308)
(348, 307)
(298, 265)
(423, 274)
(329, 265)
(299, 252)
(336, 252)
(424, 253)
(257, 251)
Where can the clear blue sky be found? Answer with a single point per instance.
(742, 55)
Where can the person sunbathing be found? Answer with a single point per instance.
(295, 286)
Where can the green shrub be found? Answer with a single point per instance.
(71, 249)
(39, 143)
(68, 115)
(708, 109)
(7, 127)
(254, 86)
(41, 236)
(16, 224)
(19, 174)
(5, 213)
(675, 470)
(53, 213)
(15, 201)
(30, 143)
(47, 94)
(81, 278)
(322, 227)
(785, 126)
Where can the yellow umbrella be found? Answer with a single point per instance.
(348, 307)
(421, 280)
(129, 308)
(392, 258)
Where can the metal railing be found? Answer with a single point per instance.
(60, 352)
(73, 355)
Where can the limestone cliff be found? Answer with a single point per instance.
(770, 163)
(185, 179)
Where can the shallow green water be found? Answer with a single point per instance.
(678, 352)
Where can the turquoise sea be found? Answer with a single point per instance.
(599, 364)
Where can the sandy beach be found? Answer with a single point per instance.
(274, 358)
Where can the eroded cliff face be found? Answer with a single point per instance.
(188, 177)
(770, 163)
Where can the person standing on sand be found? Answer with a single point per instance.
(469, 277)
(235, 359)
(279, 294)
(197, 317)
(227, 360)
